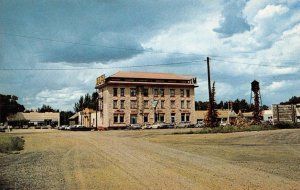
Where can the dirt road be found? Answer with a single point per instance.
(126, 160)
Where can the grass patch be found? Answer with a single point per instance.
(11, 143)
(232, 129)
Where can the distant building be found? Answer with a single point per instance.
(223, 115)
(286, 113)
(34, 119)
(87, 117)
(73, 120)
(139, 97)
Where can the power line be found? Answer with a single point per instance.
(133, 49)
(265, 65)
(254, 58)
(96, 68)
(98, 45)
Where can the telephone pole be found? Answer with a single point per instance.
(209, 93)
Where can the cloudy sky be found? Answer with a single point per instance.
(52, 51)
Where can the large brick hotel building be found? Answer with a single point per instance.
(140, 97)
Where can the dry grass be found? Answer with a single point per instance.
(153, 159)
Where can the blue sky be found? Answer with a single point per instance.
(246, 40)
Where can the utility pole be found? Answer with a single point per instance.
(97, 102)
(209, 93)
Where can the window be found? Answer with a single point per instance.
(182, 92)
(182, 117)
(187, 93)
(115, 91)
(146, 103)
(145, 92)
(172, 92)
(172, 117)
(133, 104)
(132, 92)
(161, 117)
(188, 104)
(133, 119)
(182, 104)
(187, 117)
(162, 92)
(115, 118)
(121, 118)
(115, 104)
(162, 104)
(122, 104)
(155, 92)
(145, 118)
(122, 91)
(173, 106)
(118, 118)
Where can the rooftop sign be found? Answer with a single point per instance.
(100, 80)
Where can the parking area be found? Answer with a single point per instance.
(153, 159)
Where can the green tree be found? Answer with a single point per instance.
(46, 108)
(9, 105)
(199, 105)
(64, 117)
(292, 100)
(212, 114)
(86, 101)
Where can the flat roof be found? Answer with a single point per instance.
(150, 75)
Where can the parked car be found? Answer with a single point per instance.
(200, 124)
(135, 126)
(2, 129)
(171, 125)
(183, 125)
(46, 127)
(62, 127)
(67, 127)
(223, 124)
(160, 125)
(146, 126)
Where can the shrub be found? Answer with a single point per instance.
(283, 125)
(8, 144)
(17, 143)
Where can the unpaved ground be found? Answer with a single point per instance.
(149, 160)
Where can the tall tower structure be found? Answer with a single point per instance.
(256, 96)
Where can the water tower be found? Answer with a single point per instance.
(255, 95)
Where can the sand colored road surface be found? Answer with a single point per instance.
(152, 160)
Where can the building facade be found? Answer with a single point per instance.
(34, 119)
(286, 113)
(145, 98)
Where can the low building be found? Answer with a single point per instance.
(34, 119)
(73, 120)
(139, 97)
(87, 117)
(286, 113)
(223, 115)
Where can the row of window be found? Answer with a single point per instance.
(119, 118)
(156, 92)
(133, 104)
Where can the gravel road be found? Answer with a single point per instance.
(123, 160)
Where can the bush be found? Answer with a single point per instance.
(17, 143)
(9, 144)
(284, 125)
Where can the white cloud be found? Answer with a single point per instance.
(62, 99)
(270, 11)
(277, 85)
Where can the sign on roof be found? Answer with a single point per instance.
(100, 80)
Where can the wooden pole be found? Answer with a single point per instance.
(209, 93)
